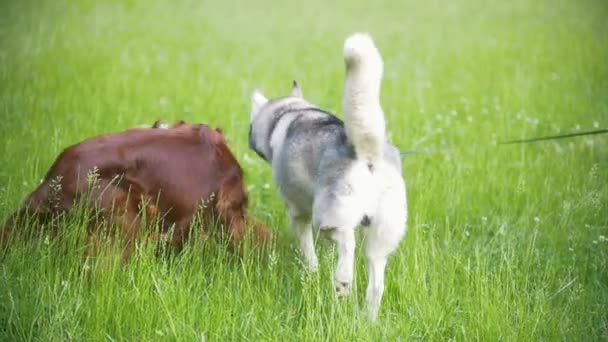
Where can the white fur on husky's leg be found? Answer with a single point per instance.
(375, 287)
(343, 275)
(363, 116)
(303, 233)
(382, 238)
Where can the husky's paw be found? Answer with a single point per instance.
(343, 288)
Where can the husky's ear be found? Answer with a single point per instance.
(257, 101)
(296, 91)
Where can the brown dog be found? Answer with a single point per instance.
(170, 174)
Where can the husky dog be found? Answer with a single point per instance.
(335, 176)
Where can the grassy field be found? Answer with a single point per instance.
(504, 243)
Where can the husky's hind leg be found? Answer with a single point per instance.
(338, 216)
(376, 264)
(302, 231)
(381, 239)
(344, 273)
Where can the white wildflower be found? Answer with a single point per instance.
(247, 159)
(594, 172)
(566, 206)
(273, 260)
(521, 186)
(503, 229)
(93, 175)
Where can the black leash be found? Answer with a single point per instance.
(511, 142)
(554, 137)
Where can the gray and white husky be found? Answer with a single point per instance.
(336, 176)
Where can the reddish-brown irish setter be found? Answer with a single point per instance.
(172, 175)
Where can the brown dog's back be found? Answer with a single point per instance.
(170, 173)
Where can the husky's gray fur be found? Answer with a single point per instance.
(336, 176)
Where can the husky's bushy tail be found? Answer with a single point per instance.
(363, 115)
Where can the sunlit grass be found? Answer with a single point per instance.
(504, 242)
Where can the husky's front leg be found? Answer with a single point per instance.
(302, 231)
(343, 275)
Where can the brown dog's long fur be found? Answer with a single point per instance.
(168, 173)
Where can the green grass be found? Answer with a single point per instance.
(504, 242)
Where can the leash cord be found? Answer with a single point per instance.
(554, 137)
(512, 142)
